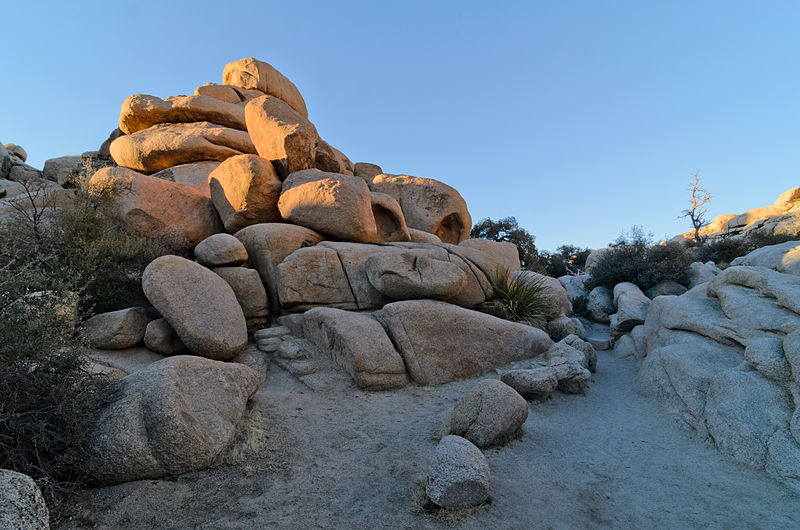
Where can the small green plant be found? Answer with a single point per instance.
(580, 306)
(525, 298)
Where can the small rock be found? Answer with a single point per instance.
(117, 329)
(266, 333)
(536, 383)
(21, 503)
(220, 250)
(458, 475)
(160, 337)
(489, 413)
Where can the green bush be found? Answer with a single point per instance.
(519, 299)
(57, 264)
(566, 260)
(49, 401)
(77, 242)
(633, 258)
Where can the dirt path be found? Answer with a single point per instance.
(350, 459)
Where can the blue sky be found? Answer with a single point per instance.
(580, 119)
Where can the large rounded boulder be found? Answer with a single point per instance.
(199, 305)
(490, 413)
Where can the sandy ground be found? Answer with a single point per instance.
(350, 459)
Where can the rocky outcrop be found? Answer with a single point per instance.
(389, 220)
(199, 305)
(171, 417)
(336, 205)
(552, 289)
(505, 253)
(220, 250)
(359, 344)
(21, 503)
(600, 304)
(281, 135)
(245, 190)
(719, 357)
(631, 304)
(268, 244)
(252, 74)
(142, 111)
(160, 337)
(194, 175)
(408, 276)
(428, 205)
(171, 144)
(441, 342)
(489, 414)
(248, 288)
(117, 329)
(458, 475)
(155, 207)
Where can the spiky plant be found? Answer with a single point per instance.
(525, 298)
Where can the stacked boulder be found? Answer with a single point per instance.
(282, 222)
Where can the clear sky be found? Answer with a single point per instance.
(580, 119)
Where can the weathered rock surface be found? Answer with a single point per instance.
(268, 244)
(665, 288)
(281, 135)
(601, 304)
(142, 111)
(719, 357)
(22, 506)
(314, 276)
(428, 205)
(245, 190)
(199, 305)
(421, 236)
(194, 175)
(506, 253)
(172, 144)
(367, 171)
(700, 273)
(248, 288)
(220, 250)
(359, 344)
(784, 257)
(574, 285)
(17, 151)
(408, 276)
(252, 74)
(389, 220)
(489, 413)
(331, 160)
(227, 93)
(151, 206)
(172, 417)
(631, 304)
(117, 329)
(442, 342)
(160, 337)
(458, 475)
(536, 383)
(562, 326)
(62, 170)
(335, 205)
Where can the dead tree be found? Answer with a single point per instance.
(697, 213)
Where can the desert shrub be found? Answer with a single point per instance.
(508, 230)
(723, 250)
(48, 400)
(77, 242)
(633, 258)
(519, 299)
(580, 306)
(566, 260)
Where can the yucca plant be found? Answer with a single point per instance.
(521, 299)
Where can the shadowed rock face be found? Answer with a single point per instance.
(428, 205)
(173, 416)
(198, 304)
(281, 135)
(152, 206)
(720, 358)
